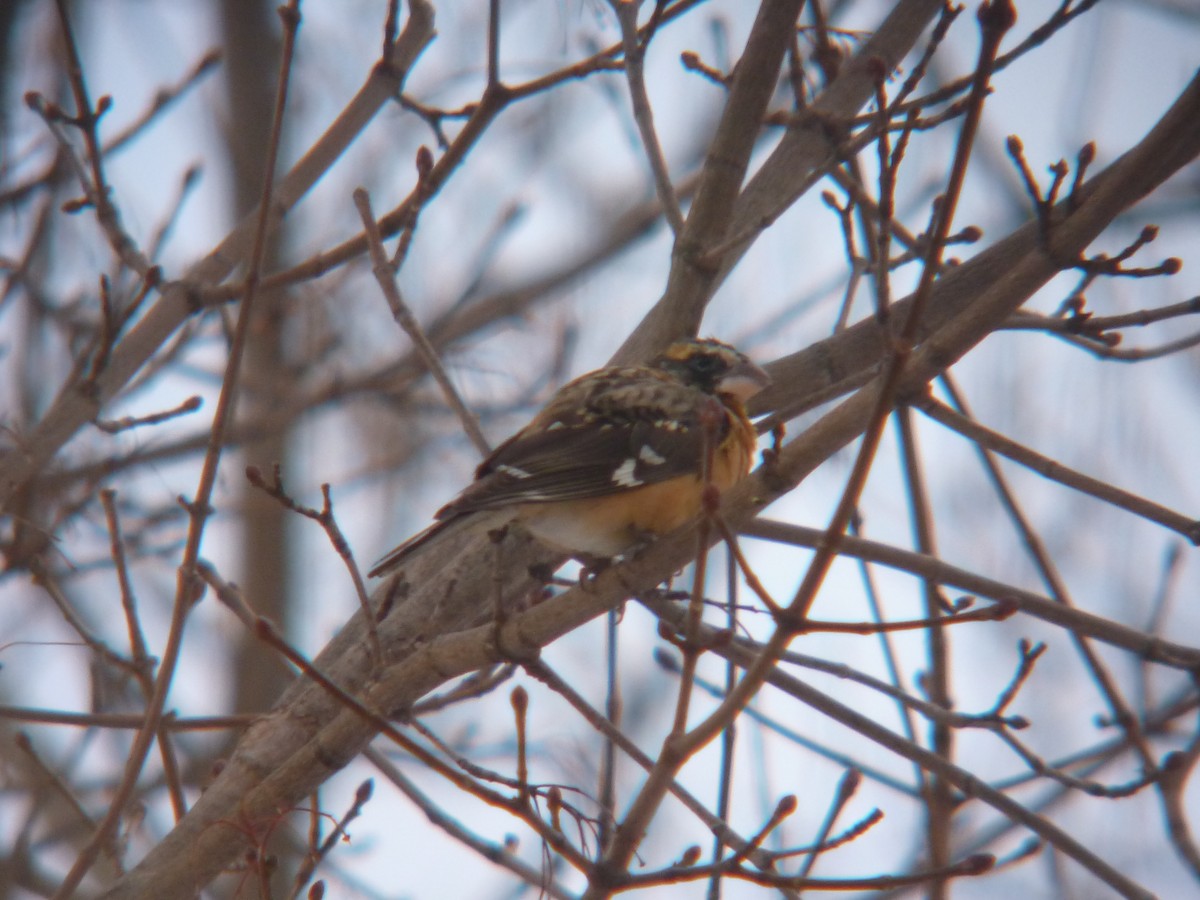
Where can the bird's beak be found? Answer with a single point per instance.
(743, 381)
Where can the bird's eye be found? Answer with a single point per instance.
(705, 363)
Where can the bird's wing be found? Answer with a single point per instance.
(609, 432)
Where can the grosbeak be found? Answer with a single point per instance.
(618, 456)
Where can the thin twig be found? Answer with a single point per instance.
(122, 720)
(385, 275)
(1050, 576)
(1176, 770)
(494, 853)
(1146, 646)
(87, 119)
(718, 826)
(995, 442)
(163, 98)
(643, 114)
(326, 519)
(938, 796)
(116, 426)
(846, 789)
(733, 564)
(314, 857)
(143, 665)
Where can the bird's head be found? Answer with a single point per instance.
(714, 367)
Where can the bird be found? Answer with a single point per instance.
(617, 457)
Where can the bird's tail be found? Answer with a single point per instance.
(434, 534)
(395, 557)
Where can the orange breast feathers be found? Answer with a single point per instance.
(610, 525)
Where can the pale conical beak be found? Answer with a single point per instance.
(743, 381)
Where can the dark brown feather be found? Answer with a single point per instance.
(606, 432)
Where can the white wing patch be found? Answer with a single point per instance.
(623, 475)
(650, 457)
(513, 472)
